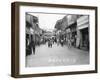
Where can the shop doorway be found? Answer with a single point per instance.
(85, 39)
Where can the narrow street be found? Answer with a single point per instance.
(57, 56)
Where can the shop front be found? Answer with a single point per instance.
(83, 33)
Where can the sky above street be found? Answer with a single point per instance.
(47, 21)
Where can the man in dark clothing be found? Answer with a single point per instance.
(32, 43)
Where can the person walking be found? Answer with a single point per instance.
(69, 43)
(62, 42)
(32, 43)
(48, 42)
(57, 42)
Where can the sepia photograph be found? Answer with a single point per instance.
(56, 39)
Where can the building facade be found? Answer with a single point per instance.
(83, 32)
(32, 32)
(71, 28)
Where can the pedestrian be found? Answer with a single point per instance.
(72, 41)
(62, 42)
(66, 41)
(57, 42)
(69, 43)
(32, 44)
(48, 43)
(33, 47)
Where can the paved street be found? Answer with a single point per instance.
(57, 56)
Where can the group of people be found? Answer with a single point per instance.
(31, 44)
(62, 41)
(50, 42)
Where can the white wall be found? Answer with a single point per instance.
(5, 40)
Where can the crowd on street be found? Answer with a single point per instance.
(61, 41)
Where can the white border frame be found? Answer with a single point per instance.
(72, 68)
